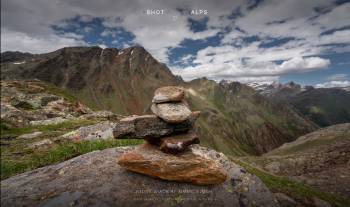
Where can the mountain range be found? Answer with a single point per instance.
(324, 106)
(59, 105)
(236, 119)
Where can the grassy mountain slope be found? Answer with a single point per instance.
(303, 194)
(236, 120)
(111, 79)
(320, 159)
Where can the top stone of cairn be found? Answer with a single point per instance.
(168, 94)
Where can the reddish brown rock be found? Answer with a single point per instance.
(187, 167)
(168, 94)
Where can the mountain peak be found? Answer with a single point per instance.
(95, 74)
(292, 84)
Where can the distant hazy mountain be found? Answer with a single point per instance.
(235, 119)
(324, 106)
(15, 56)
(277, 89)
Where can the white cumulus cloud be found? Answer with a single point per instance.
(337, 77)
(18, 41)
(332, 84)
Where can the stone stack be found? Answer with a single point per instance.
(170, 106)
(169, 135)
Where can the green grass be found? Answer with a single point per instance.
(308, 145)
(292, 188)
(67, 125)
(17, 158)
(60, 92)
(61, 152)
(302, 147)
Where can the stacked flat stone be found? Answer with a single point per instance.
(169, 133)
(170, 106)
(171, 128)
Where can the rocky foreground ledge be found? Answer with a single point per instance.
(95, 179)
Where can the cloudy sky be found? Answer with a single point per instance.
(307, 41)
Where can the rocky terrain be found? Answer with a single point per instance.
(320, 159)
(25, 103)
(32, 103)
(235, 119)
(40, 123)
(74, 183)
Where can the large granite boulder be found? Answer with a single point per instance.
(95, 179)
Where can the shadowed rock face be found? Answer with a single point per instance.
(95, 179)
(176, 143)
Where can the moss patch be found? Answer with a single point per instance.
(60, 92)
(16, 157)
(30, 160)
(67, 125)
